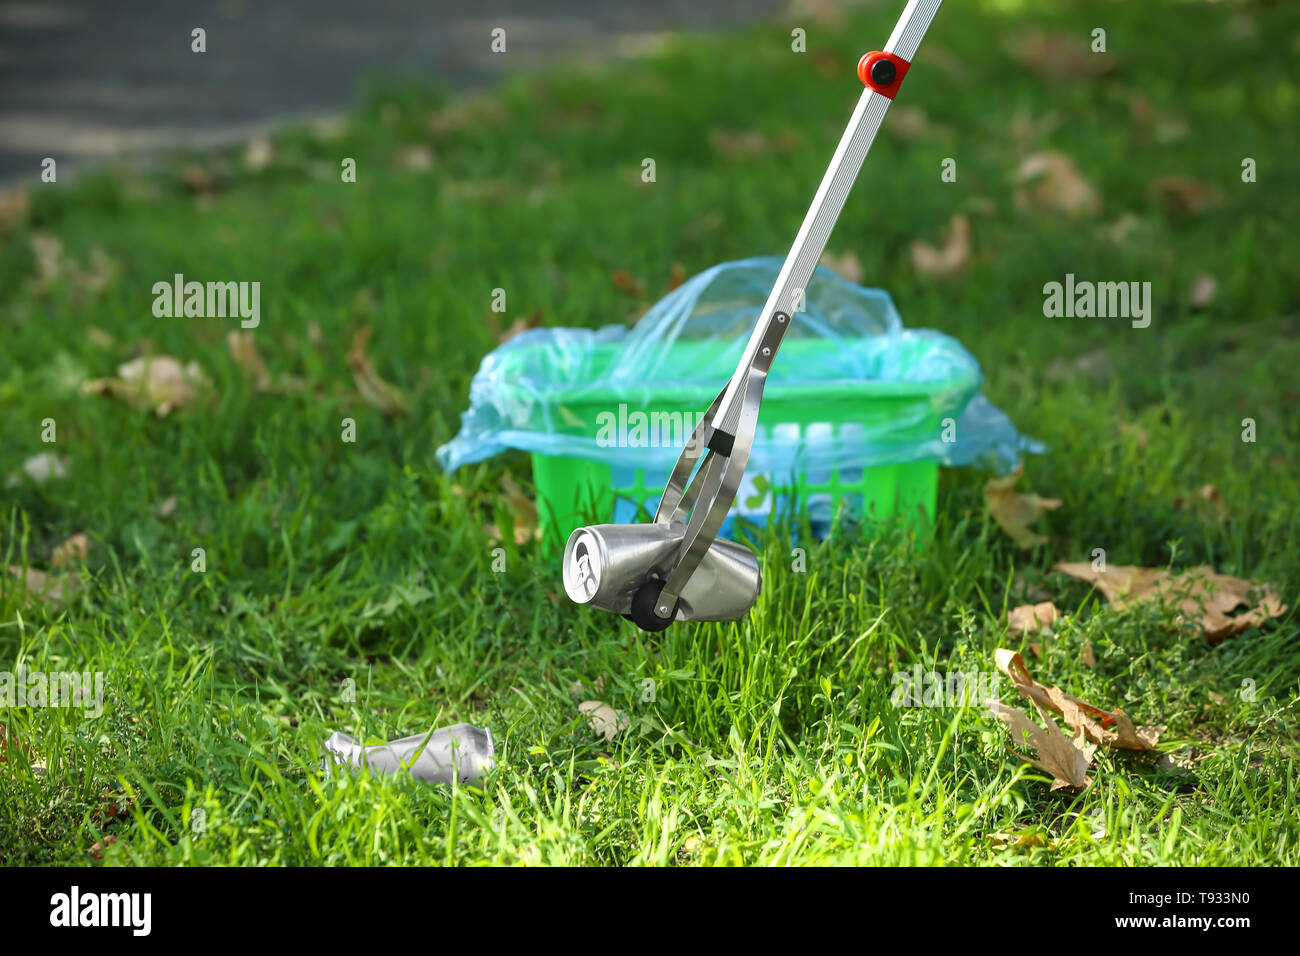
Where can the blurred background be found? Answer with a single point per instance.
(92, 79)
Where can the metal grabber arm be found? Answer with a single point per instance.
(675, 568)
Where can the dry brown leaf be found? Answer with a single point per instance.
(1032, 618)
(1015, 512)
(1183, 195)
(48, 253)
(114, 805)
(949, 260)
(626, 283)
(417, 157)
(165, 509)
(1164, 127)
(14, 206)
(1058, 56)
(521, 324)
(521, 534)
(738, 144)
(1136, 432)
(48, 588)
(1112, 728)
(1066, 759)
(523, 512)
(1025, 839)
(522, 508)
(41, 468)
(471, 110)
(1050, 182)
(1204, 598)
(157, 382)
(97, 851)
(829, 13)
(1026, 130)
(1202, 290)
(1118, 231)
(1086, 656)
(676, 276)
(197, 179)
(243, 349)
(908, 122)
(597, 685)
(260, 153)
(373, 389)
(846, 265)
(604, 719)
(75, 549)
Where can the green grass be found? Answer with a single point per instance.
(769, 741)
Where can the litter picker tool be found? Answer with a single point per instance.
(676, 568)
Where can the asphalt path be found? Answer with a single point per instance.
(84, 80)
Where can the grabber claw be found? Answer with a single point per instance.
(675, 568)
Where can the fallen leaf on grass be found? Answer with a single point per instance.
(75, 549)
(468, 111)
(1135, 432)
(197, 179)
(1013, 511)
(1032, 618)
(521, 324)
(53, 266)
(165, 509)
(47, 588)
(243, 349)
(676, 276)
(114, 805)
(829, 13)
(1056, 55)
(597, 685)
(626, 283)
(1117, 232)
(1202, 290)
(14, 206)
(1065, 759)
(1051, 182)
(1095, 364)
(604, 719)
(1080, 716)
(416, 157)
(735, 144)
(1025, 839)
(373, 389)
(1203, 597)
(523, 512)
(950, 259)
(1165, 127)
(742, 144)
(40, 468)
(260, 153)
(157, 382)
(1183, 195)
(97, 851)
(1179, 762)
(908, 122)
(845, 265)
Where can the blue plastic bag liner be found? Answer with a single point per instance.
(849, 339)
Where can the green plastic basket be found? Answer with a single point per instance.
(573, 491)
